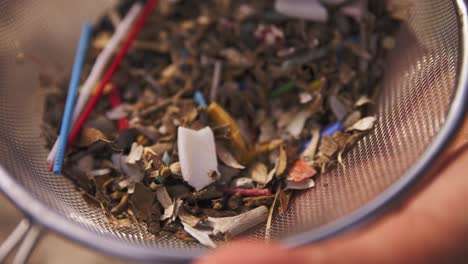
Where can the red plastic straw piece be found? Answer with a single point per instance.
(115, 101)
(75, 131)
(111, 71)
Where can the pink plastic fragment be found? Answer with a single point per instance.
(249, 192)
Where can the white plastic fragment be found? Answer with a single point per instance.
(163, 197)
(123, 184)
(126, 183)
(118, 112)
(100, 172)
(363, 100)
(302, 185)
(304, 9)
(305, 98)
(172, 211)
(168, 212)
(296, 126)
(201, 236)
(243, 182)
(175, 168)
(235, 225)
(163, 129)
(364, 124)
(131, 188)
(197, 156)
(134, 173)
(135, 153)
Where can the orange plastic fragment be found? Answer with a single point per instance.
(301, 171)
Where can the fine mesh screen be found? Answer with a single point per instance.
(419, 83)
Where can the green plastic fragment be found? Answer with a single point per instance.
(283, 89)
(160, 179)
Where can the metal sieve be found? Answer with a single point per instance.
(422, 103)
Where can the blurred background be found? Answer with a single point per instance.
(51, 249)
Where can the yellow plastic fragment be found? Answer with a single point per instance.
(268, 146)
(221, 118)
(187, 25)
(317, 85)
(170, 71)
(101, 40)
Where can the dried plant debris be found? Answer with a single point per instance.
(232, 107)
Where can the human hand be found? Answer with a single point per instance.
(432, 227)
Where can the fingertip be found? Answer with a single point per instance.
(249, 252)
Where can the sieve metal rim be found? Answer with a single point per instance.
(46, 217)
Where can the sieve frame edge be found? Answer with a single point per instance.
(44, 216)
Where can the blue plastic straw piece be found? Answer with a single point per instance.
(198, 96)
(328, 130)
(72, 94)
(331, 129)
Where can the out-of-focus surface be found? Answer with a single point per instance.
(51, 249)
